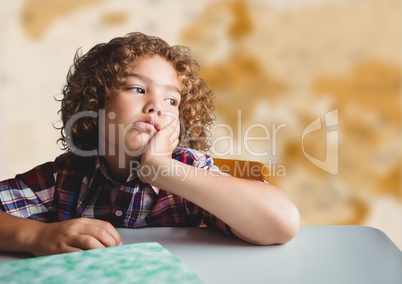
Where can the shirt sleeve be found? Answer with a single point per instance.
(203, 161)
(30, 195)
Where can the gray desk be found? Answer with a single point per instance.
(324, 254)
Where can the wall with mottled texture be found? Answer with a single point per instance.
(312, 89)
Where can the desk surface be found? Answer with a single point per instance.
(322, 254)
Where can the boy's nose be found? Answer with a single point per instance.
(152, 105)
(151, 110)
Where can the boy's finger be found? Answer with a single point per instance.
(172, 127)
(98, 237)
(103, 231)
(85, 242)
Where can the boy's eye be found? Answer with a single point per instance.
(137, 90)
(171, 101)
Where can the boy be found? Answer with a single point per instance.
(131, 111)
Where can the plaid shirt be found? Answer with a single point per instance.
(74, 186)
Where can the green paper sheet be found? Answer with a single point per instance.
(136, 263)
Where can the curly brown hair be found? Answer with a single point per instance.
(103, 70)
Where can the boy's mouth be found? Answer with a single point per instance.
(147, 125)
(144, 126)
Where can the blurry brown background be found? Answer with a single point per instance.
(275, 66)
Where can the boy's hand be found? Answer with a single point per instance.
(164, 141)
(160, 147)
(73, 235)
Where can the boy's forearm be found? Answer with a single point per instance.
(16, 234)
(255, 211)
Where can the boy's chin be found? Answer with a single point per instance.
(137, 140)
(135, 149)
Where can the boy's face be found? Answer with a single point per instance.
(131, 115)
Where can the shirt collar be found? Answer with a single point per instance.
(100, 168)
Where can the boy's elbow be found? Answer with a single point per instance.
(285, 229)
(289, 226)
(274, 228)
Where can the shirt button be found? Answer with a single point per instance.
(118, 213)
